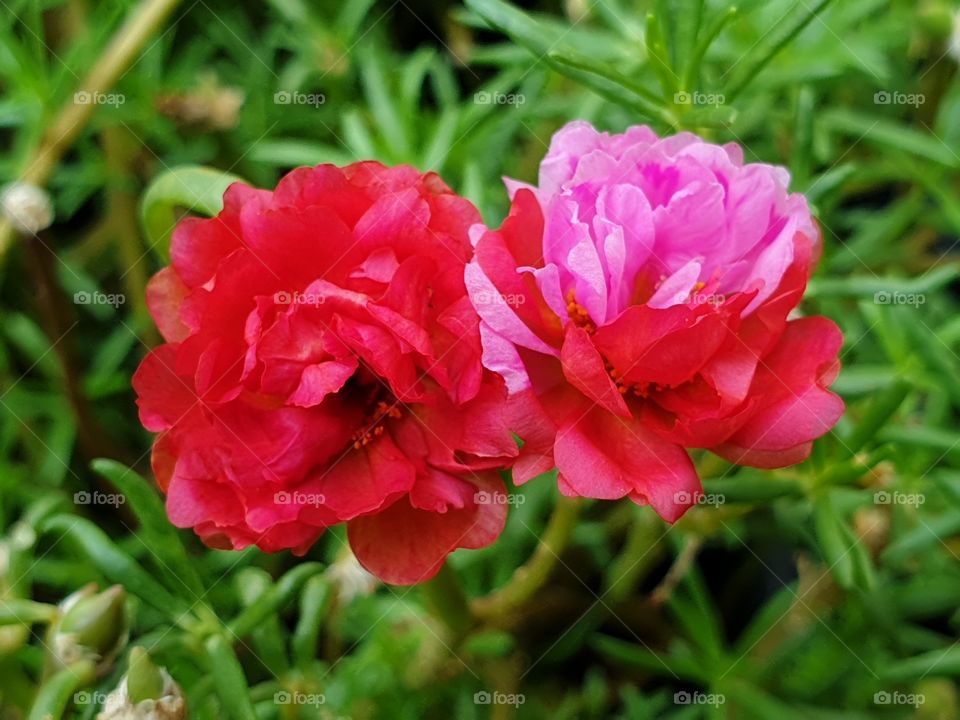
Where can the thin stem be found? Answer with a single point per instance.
(677, 571)
(145, 20)
(531, 576)
(57, 319)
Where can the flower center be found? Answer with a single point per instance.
(380, 411)
(578, 314)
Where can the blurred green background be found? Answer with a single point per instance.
(830, 590)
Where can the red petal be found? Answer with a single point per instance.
(162, 396)
(606, 457)
(404, 546)
(364, 480)
(165, 293)
(583, 367)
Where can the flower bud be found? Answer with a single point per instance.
(92, 625)
(147, 692)
(26, 207)
(144, 679)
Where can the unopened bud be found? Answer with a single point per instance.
(147, 692)
(144, 679)
(92, 625)
(26, 207)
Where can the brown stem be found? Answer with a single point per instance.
(58, 320)
(677, 571)
(146, 19)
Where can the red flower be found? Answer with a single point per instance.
(322, 365)
(642, 293)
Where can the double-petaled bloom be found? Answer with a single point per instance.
(356, 347)
(641, 292)
(322, 365)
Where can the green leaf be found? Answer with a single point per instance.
(610, 84)
(687, 17)
(801, 156)
(158, 534)
(191, 187)
(268, 638)
(691, 68)
(490, 644)
(937, 663)
(752, 702)
(275, 598)
(753, 487)
(881, 289)
(717, 116)
(515, 23)
(599, 77)
(889, 134)
(930, 534)
(698, 616)
(834, 541)
(641, 657)
(14, 611)
(56, 693)
(292, 152)
(228, 679)
(658, 55)
(881, 408)
(771, 43)
(116, 566)
(314, 601)
(379, 96)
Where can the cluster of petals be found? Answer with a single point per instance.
(356, 347)
(643, 292)
(322, 366)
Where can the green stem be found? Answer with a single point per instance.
(446, 599)
(531, 576)
(56, 693)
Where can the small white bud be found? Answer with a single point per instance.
(26, 207)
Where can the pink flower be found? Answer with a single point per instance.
(642, 293)
(322, 366)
